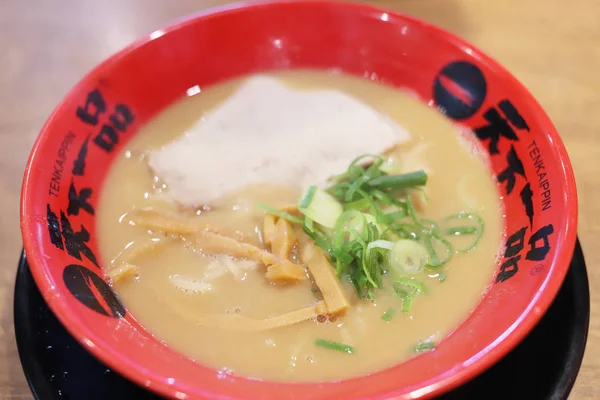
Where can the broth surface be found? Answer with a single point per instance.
(459, 180)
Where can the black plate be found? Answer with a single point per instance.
(544, 366)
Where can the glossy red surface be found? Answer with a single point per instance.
(147, 76)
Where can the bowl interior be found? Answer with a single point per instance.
(77, 145)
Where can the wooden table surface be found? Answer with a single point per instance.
(46, 46)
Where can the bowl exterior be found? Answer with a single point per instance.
(101, 113)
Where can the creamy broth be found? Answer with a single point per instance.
(459, 180)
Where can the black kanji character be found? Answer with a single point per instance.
(508, 269)
(91, 290)
(94, 106)
(497, 126)
(54, 228)
(515, 243)
(539, 253)
(513, 115)
(527, 200)
(75, 242)
(107, 138)
(515, 166)
(79, 200)
(121, 118)
(79, 163)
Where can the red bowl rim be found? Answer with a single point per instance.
(493, 352)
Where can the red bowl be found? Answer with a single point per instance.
(92, 124)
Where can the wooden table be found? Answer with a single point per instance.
(46, 46)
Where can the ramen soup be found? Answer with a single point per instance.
(246, 228)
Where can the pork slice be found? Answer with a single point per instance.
(266, 132)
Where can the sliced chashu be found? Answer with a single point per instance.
(266, 132)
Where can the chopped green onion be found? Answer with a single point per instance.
(442, 277)
(429, 226)
(461, 230)
(402, 292)
(338, 190)
(380, 244)
(372, 172)
(411, 282)
(357, 205)
(388, 166)
(279, 213)
(434, 259)
(334, 346)
(359, 281)
(424, 346)
(388, 315)
(393, 216)
(408, 296)
(309, 224)
(478, 230)
(407, 257)
(354, 163)
(388, 199)
(319, 241)
(360, 223)
(417, 178)
(367, 223)
(322, 208)
(410, 209)
(407, 303)
(355, 171)
(344, 224)
(308, 197)
(411, 231)
(342, 256)
(353, 235)
(367, 266)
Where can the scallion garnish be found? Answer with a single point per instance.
(407, 303)
(309, 224)
(334, 346)
(321, 207)
(429, 226)
(442, 276)
(279, 213)
(357, 205)
(424, 346)
(404, 181)
(434, 259)
(407, 257)
(307, 199)
(388, 315)
(462, 230)
(411, 211)
(367, 223)
(411, 282)
(407, 289)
